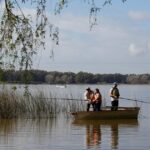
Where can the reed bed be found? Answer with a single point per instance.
(14, 105)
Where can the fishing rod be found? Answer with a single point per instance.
(71, 99)
(75, 99)
(134, 100)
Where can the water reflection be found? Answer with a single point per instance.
(96, 131)
(59, 134)
(114, 135)
(93, 135)
(17, 132)
(8, 126)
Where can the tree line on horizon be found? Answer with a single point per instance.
(55, 77)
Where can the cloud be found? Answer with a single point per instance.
(138, 50)
(78, 45)
(139, 15)
(96, 50)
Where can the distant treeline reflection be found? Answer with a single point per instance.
(55, 77)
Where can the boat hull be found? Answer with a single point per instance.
(121, 113)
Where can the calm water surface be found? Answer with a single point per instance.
(64, 133)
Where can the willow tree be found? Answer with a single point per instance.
(21, 38)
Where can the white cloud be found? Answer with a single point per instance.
(139, 15)
(138, 50)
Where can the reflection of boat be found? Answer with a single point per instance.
(121, 113)
(130, 122)
(94, 130)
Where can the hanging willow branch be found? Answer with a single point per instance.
(21, 37)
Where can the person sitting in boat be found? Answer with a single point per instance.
(89, 96)
(114, 94)
(97, 100)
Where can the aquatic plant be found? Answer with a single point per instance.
(14, 105)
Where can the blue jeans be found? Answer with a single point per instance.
(97, 106)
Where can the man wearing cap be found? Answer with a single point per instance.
(114, 94)
(89, 96)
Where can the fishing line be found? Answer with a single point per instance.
(134, 100)
(73, 99)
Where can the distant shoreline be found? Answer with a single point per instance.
(62, 78)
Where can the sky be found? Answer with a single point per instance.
(119, 43)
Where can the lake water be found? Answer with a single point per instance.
(64, 133)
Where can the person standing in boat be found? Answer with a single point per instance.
(97, 100)
(114, 94)
(89, 96)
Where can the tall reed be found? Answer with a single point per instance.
(14, 105)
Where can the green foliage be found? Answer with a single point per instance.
(20, 37)
(16, 38)
(39, 76)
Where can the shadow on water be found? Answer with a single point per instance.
(95, 131)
